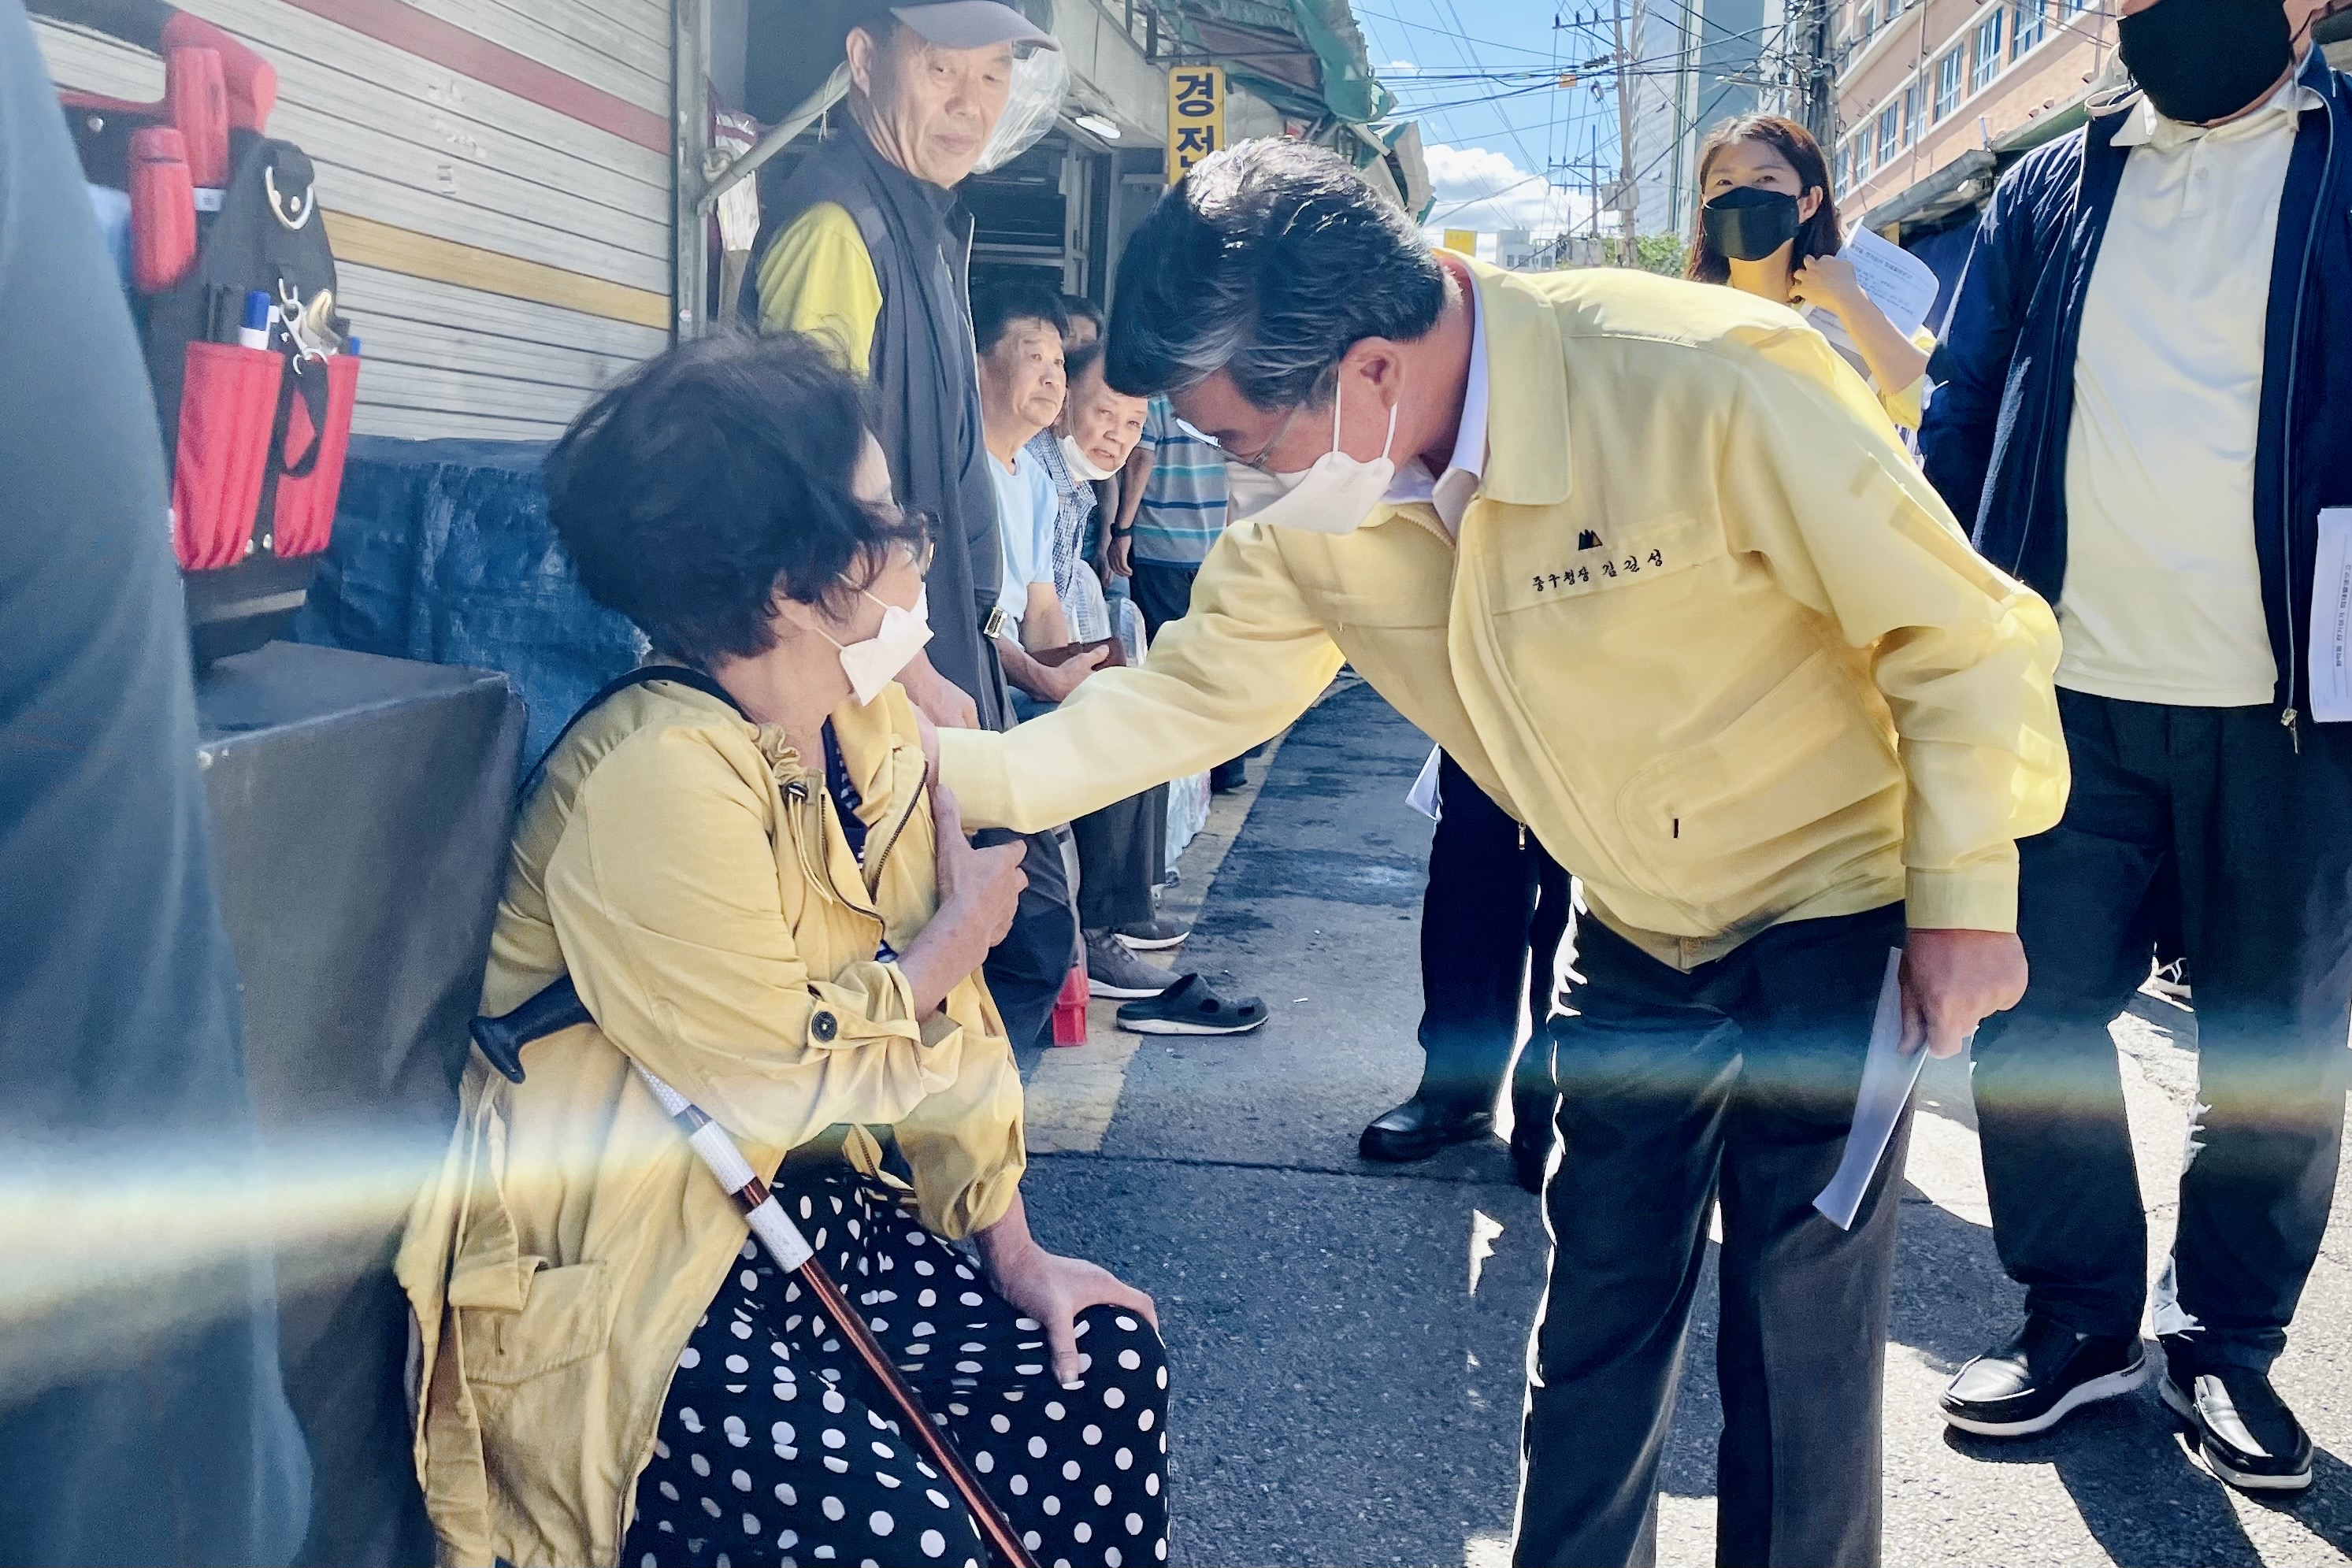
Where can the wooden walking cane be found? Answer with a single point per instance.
(558, 1007)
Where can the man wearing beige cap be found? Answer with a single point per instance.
(869, 252)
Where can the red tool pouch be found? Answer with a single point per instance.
(310, 455)
(163, 210)
(225, 414)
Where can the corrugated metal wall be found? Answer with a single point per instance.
(496, 177)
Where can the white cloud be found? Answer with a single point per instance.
(1481, 188)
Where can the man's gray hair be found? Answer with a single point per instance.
(1267, 261)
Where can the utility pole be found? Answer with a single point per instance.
(1629, 195)
(1810, 37)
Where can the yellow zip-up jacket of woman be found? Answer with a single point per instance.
(689, 872)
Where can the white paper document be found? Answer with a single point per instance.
(2331, 619)
(1887, 1079)
(1422, 796)
(1898, 282)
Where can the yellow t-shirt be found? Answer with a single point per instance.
(818, 279)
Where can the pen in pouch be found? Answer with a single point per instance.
(253, 332)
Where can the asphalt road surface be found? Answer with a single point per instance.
(1348, 1340)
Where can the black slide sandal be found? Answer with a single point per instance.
(1188, 1007)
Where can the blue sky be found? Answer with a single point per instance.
(1477, 75)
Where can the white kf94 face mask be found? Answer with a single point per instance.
(875, 661)
(1084, 466)
(1336, 494)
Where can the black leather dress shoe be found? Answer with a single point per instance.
(1418, 1128)
(2248, 1436)
(2040, 1378)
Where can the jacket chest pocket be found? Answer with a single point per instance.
(1600, 558)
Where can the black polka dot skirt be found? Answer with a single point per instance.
(777, 1447)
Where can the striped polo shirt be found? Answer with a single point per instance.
(1183, 506)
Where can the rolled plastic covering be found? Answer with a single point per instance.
(1041, 79)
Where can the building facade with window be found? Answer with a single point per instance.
(1932, 92)
(1935, 98)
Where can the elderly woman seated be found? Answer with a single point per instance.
(761, 898)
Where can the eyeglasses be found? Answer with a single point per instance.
(1258, 459)
(919, 551)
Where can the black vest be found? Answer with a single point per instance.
(926, 393)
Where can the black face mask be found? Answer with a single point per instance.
(1750, 224)
(2201, 60)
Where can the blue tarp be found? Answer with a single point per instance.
(443, 553)
(1946, 255)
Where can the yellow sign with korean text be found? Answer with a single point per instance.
(1196, 116)
(1462, 241)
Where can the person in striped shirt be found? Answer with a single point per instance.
(1172, 506)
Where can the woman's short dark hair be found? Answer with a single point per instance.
(1821, 234)
(1079, 308)
(714, 480)
(1267, 261)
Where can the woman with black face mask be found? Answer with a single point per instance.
(1769, 227)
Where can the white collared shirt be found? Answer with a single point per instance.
(1449, 495)
(2162, 601)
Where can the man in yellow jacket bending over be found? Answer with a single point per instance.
(1647, 560)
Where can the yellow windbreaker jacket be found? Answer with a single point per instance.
(1707, 632)
(692, 877)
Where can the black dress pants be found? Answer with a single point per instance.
(2257, 837)
(1121, 848)
(1491, 924)
(1025, 970)
(1732, 1085)
(1162, 591)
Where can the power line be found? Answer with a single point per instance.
(1432, 27)
(1439, 93)
(1455, 16)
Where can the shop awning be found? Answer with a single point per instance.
(1306, 58)
(1962, 183)
(1391, 157)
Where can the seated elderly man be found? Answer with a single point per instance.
(1120, 847)
(1018, 328)
(741, 865)
(1089, 443)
